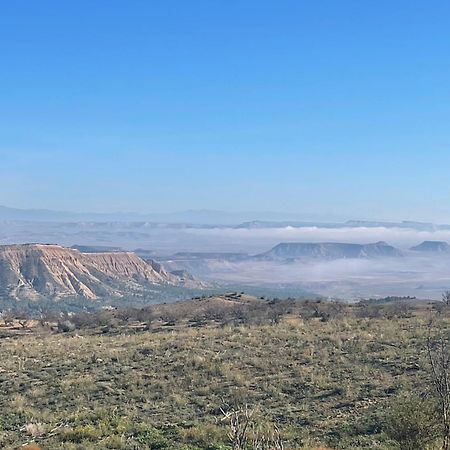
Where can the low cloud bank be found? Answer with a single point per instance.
(422, 277)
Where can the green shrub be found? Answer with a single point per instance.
(412, 423)
(80, 434)
(152, 437)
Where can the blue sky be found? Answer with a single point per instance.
(338, 108)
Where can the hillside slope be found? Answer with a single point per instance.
(34, 271)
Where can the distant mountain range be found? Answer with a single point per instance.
(419, 226)
(246, 220)
(35, 271)
(206, 217)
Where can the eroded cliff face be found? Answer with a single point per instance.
(34, 271)
(128, 265)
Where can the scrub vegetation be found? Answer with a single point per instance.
(227, 372)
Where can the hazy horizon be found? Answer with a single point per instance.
(211, 216)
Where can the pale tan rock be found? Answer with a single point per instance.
(33, 271)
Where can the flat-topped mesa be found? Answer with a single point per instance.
(432, 246)
(33, 271)
(329, 250)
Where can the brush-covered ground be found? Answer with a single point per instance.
(320, 374)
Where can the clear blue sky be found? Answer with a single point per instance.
(335, 107)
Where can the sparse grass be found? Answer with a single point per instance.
(323, 382)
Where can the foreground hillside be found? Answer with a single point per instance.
(37, 271)
(166, 377)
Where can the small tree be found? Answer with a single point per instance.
(65, 326)
(47, 316)
(8, 318)
(240, 314)
(239, 421)
(147, 317)
(278, 309)
(446, 298)
(439, 358)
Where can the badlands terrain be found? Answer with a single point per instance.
(39, 271)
